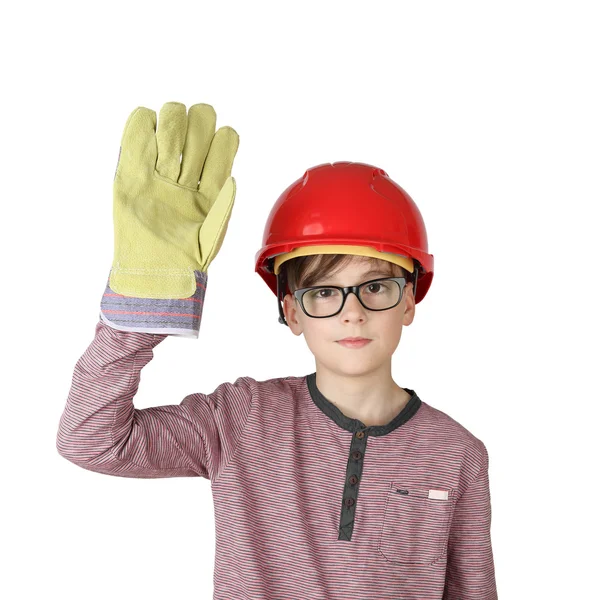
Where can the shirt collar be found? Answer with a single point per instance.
(353, 425)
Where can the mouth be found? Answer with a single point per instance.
(353, 342)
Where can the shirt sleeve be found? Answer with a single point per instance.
(470, 570)
(100, 430)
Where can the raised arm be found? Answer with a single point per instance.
(100, 430)
(172, 199)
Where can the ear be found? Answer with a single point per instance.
(409, 304)
(291, 308)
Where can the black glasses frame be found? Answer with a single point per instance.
(281, 284)
(355, 289)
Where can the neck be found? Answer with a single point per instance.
(373, 397)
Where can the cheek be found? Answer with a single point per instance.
(318, 336)
(317, 333)
(392, 328)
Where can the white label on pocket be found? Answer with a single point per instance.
(438, 494)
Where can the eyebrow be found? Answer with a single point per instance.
(375, 271)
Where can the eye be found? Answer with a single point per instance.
(326, 292)
(377, 287)
(323, 293)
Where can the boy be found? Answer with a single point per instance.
(335, 485)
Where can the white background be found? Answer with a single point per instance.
(487, 113)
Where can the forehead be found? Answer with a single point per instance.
(360, 269)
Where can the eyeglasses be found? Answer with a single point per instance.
(323, 301)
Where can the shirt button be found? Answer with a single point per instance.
(357, 455)
(360, 435)
(353, 479)
(349, 502)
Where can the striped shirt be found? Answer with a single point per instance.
(309, 503)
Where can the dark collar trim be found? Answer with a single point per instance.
(334, 413)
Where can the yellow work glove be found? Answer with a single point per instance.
(170, 217)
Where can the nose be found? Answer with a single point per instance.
(353, 307)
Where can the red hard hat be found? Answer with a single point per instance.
(346, 208)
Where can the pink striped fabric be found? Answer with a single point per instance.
(309, 504)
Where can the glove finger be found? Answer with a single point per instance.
(138, 151)
(170, 137)
(201, 123)
(219, 162)
(215, 224)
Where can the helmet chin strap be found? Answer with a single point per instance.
(281, 284)
(415, 278)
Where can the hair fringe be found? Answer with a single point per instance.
(305, 271)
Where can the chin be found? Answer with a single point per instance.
(351, 367)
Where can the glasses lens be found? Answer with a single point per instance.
(376, 295)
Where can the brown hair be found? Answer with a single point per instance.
(305, 271)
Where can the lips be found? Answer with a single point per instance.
(356, 343)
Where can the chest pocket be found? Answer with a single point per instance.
(416, 524)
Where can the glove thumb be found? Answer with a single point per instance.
(215, 224)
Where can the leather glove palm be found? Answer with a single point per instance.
(170, 217)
